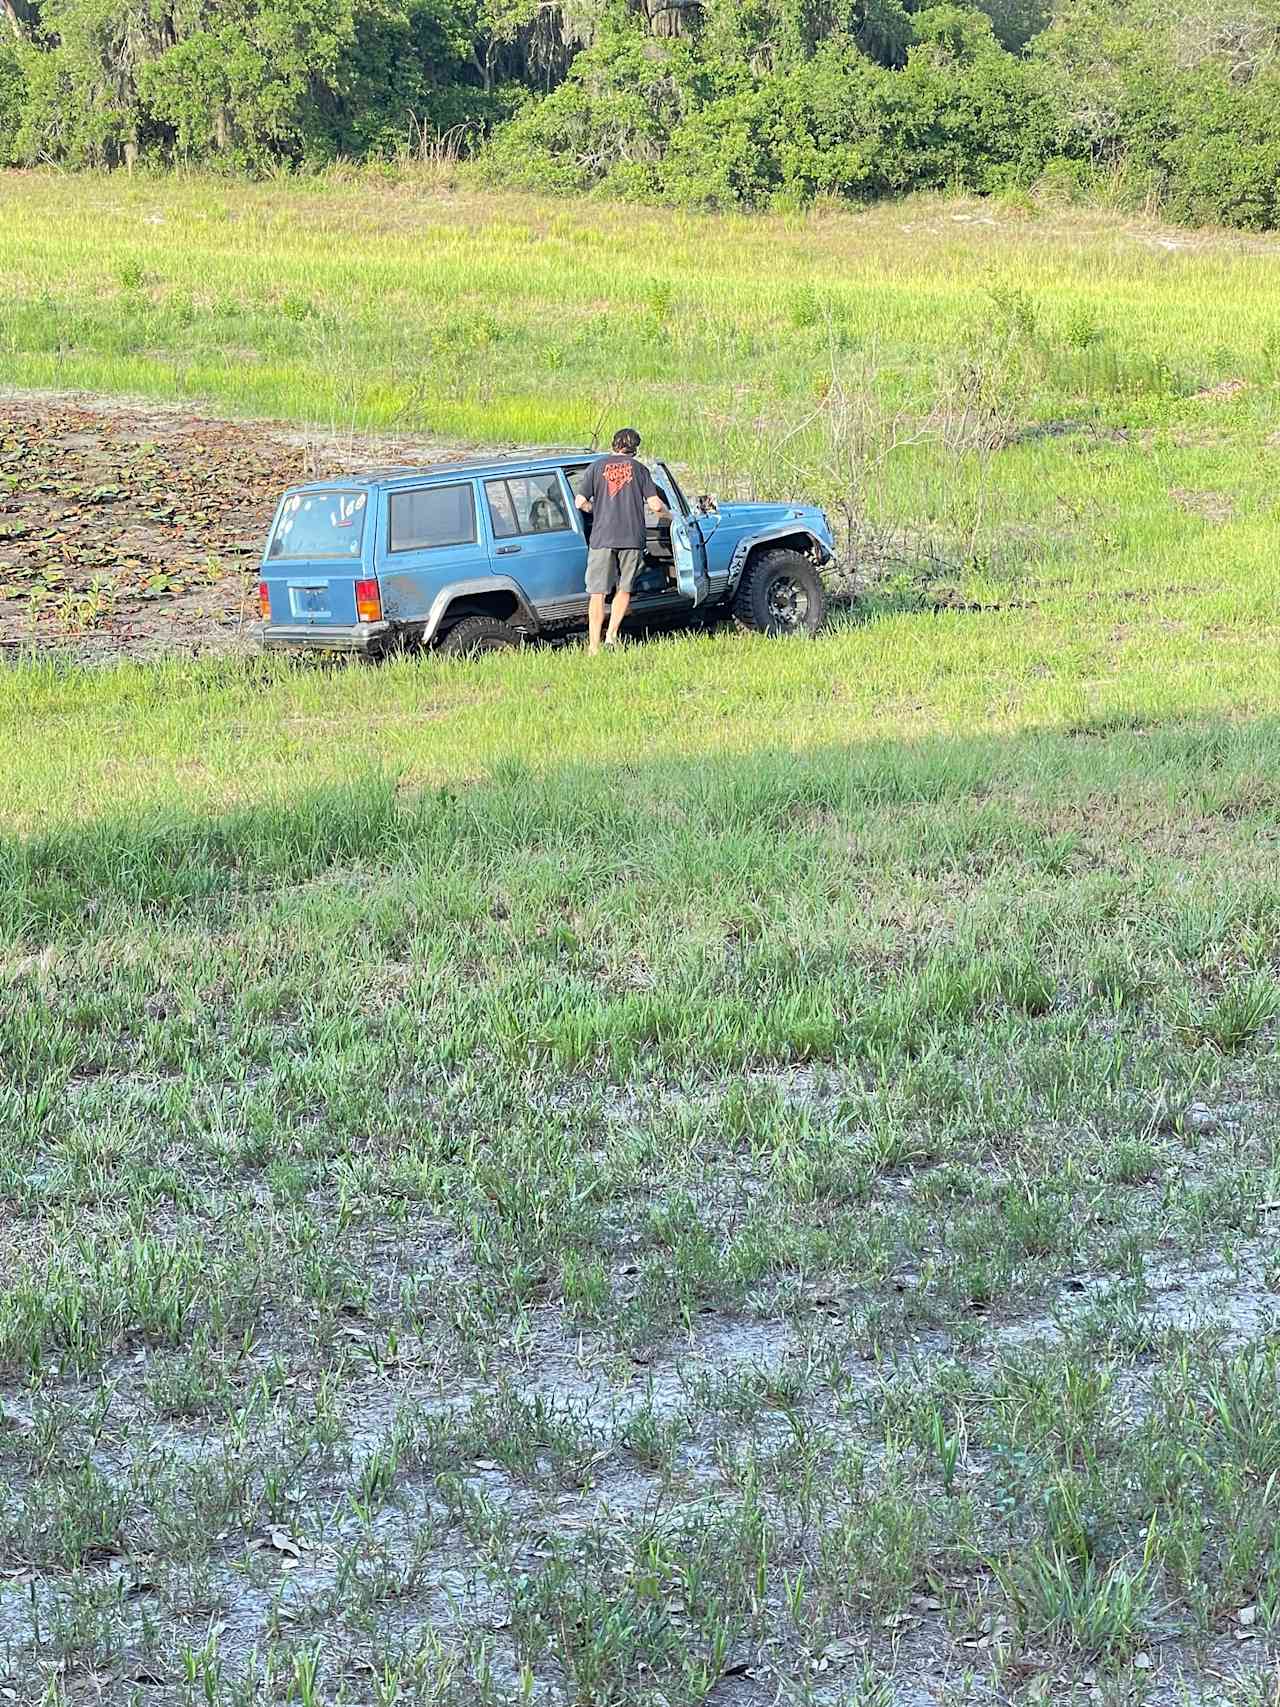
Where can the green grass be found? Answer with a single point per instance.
(735, 1171)
(649, 1194)
(1060, 411)
(373, 304)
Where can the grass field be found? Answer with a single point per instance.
(374, 304)
(972, 388)
(742, 1172)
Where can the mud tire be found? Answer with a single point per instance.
(475, 635)
(780, 592)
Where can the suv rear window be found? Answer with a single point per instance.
(433, 516)
(320, 524)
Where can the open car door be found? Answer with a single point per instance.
(690, 552)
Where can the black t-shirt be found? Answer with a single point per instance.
(618, 487)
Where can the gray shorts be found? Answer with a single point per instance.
(606, 568)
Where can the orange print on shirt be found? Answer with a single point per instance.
(616, 476)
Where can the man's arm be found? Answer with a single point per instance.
(583, 503)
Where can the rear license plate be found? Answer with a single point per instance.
(310, 601)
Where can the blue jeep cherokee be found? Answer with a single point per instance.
(471, 556)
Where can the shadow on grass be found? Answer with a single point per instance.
(649, 816)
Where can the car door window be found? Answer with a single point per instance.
(525, 504)
(502, 512)
(576, 475)
(670, 486)
(432, 516)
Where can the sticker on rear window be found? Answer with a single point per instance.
(320, 524)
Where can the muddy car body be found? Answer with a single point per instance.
(475, 555)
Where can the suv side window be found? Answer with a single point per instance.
(432, 516)
(526, 503)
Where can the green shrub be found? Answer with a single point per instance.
(613, 114)
(13, 98)
(961, 112)
(1223, 164)
(250, 82)
(768, 103)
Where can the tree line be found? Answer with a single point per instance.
(705, 103)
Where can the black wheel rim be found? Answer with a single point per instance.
(787, 602)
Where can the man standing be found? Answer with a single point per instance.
(616, 491)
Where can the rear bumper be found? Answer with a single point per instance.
(357, 637)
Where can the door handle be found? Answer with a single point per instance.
(506, 550)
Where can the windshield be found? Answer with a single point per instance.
(320, 524)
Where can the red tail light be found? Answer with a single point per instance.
(264, 601)
(368, 601)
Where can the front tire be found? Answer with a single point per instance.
(477, 634)
(780, 592)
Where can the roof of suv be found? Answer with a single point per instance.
(429, 471)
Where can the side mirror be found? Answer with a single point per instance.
(706, 505)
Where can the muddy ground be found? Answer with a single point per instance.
(130, 530)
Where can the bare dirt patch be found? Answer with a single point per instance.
(1211, 506)
(133, 529)
(1224, 392)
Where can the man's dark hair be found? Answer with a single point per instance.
(627, 440)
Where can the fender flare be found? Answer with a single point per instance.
(479, 584)
(784, 530)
